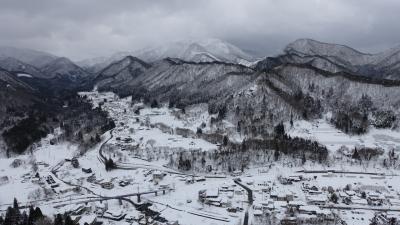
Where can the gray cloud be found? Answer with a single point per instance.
(80, 29)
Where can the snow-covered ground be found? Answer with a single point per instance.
(326, 134)
(175, 195)
(24, 75)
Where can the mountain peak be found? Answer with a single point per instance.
(133, 59)
(309, 46)
(64, 67)
(195, 50)
(127, 65)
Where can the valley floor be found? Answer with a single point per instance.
(142, 147)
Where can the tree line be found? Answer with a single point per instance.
(33, 216)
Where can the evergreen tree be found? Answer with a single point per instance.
(109, 164)
(225, 141)
(303, 158)
(9, 218)
(291, 120)
(58, 220)
(30, 216)
(334, 198)
(68, 221)
(38, 213)
(279, 130)
(276, 155)
(356, 155)
(154, 104)
(15, 205)
(24, 218)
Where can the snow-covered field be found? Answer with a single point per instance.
(325, 133)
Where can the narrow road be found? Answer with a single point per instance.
(199, 213)
(250, 200)
(102, 157)
(382, 209)
(343, 172)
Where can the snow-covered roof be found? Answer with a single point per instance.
(309, 208)
(87, 219)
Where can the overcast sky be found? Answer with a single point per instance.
(87, 28)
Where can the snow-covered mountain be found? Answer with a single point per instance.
(15, 95)
(122, 71)
(197, 51)
(194, 80)
(64, 68)
(309, 47)
(17, 66)
(29, 56)
(335, 57)
(309, 80)
(206, 50)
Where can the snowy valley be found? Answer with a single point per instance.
(165, 138)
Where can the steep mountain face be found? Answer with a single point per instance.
(15, 96)
(64, 68)
(207, 50)
(339, 53)
(11, 82)
(172, 78)
(336, 58)
(19, 67)
(32, 57)
(121, 72)
(255, 100)
(57, 76)
(303, 91)
(33, 107)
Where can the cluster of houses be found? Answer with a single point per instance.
(212, 196)
(384, 218)
(276, 200)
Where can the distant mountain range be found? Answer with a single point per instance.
(308, 80)
(335, 58)
(206, 50)
(29, 56)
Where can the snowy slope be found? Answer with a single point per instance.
(169, 76)
(15, 65)
(122, 71)
(63, 67)
(335, 57)
(341, 52)
(29, 56)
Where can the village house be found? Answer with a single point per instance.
(210, 196)
(309, 209)
(308, 219)
(158, 175)
(290, 220)
(164, 128)
(317, 199)
(281, 196)
(75, 162)
(184, 132)
(107, 185)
